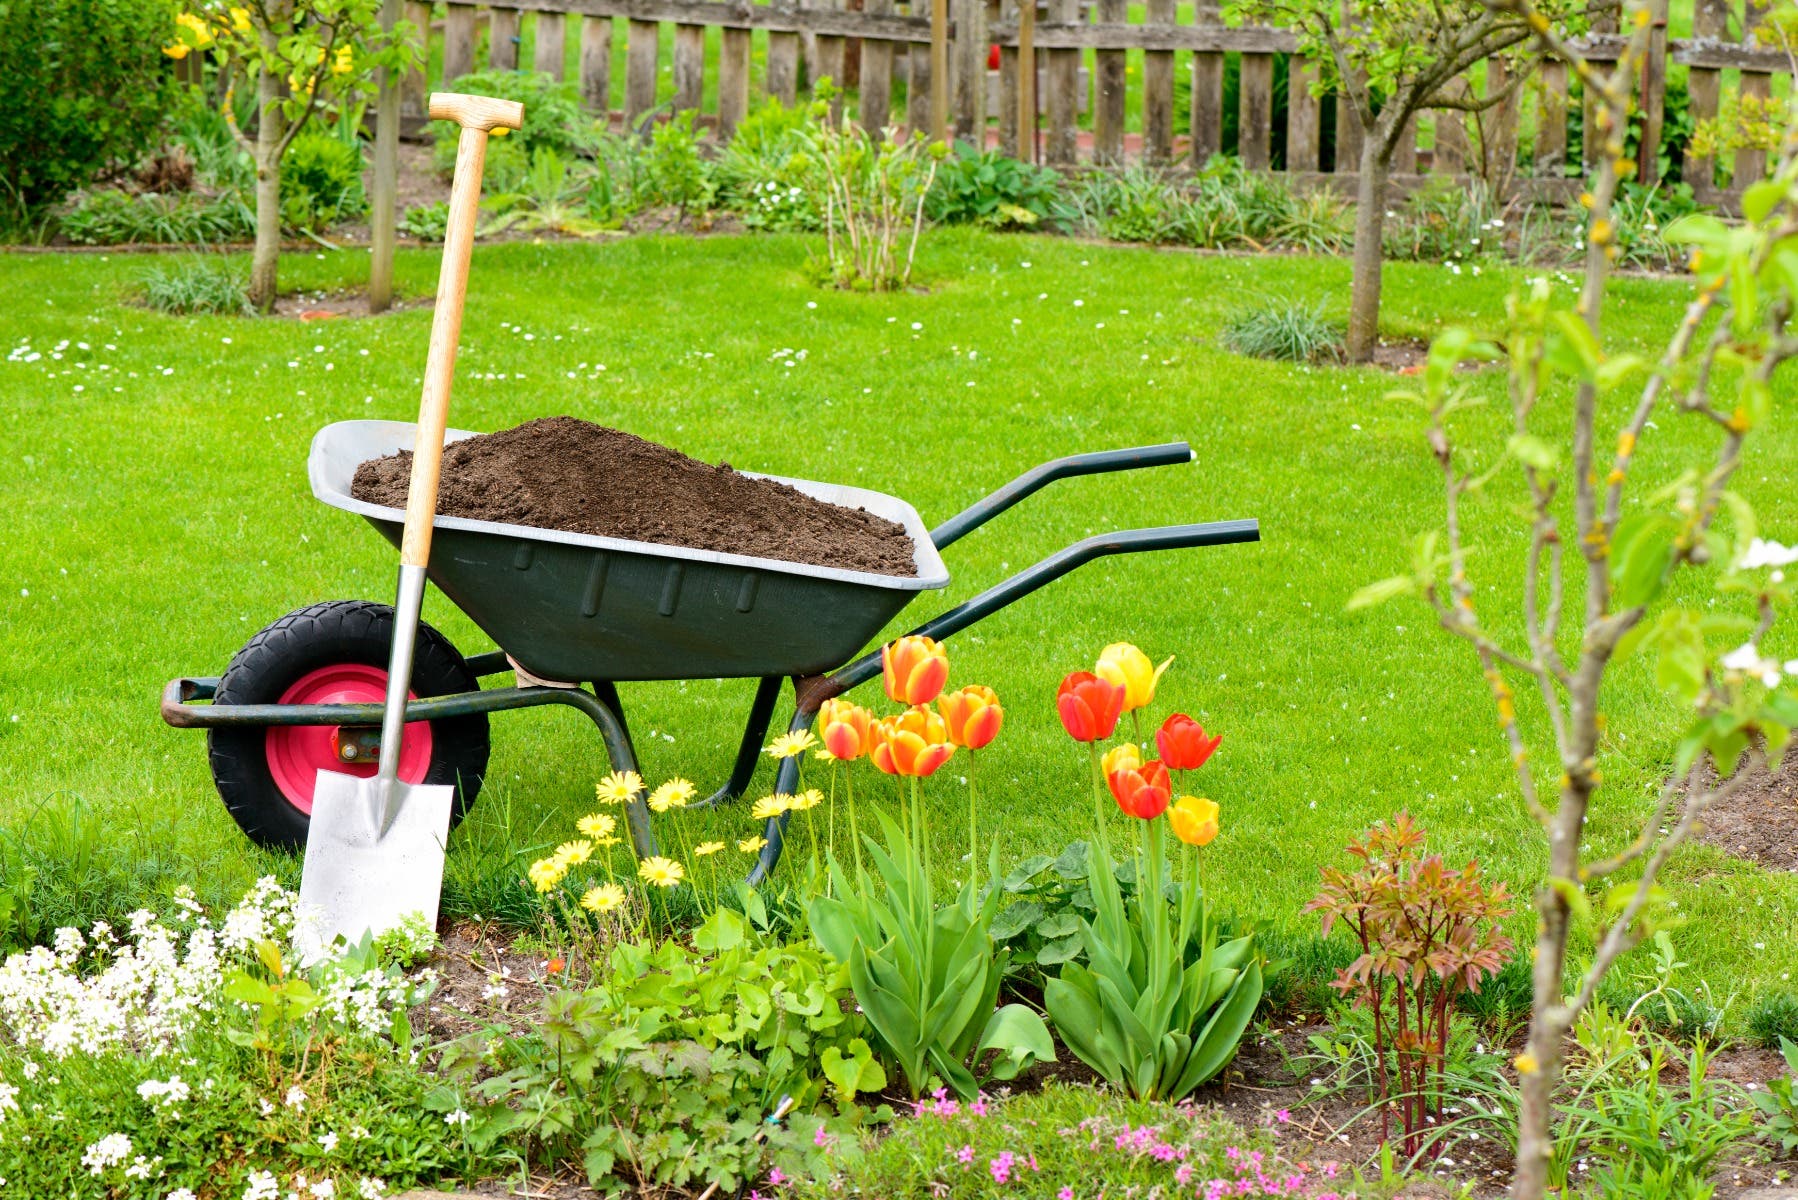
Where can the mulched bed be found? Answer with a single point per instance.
(1760, 822)
(567, 474)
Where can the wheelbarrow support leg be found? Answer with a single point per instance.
(622, 752)
(755, 736)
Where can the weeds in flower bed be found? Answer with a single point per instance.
(198, 285)
(1773, 1019)
(1286, 331)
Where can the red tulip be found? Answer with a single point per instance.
(1183, 743)
(972, 714)
(1142, 793)
(1089, 706)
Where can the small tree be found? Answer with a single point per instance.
(299, 56)
(1611, 599)
(1388, 60)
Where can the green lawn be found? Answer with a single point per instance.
(158, 515)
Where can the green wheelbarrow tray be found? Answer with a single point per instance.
(600, 611)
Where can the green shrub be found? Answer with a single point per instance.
(678, 174)
(553, 117)
(1285, 330)
(1446, 220)
(83, 87)
(1504, 998)
(200, 285)
(115, 218)
(1773, 1018)
(426, 222)
(220, 163)
(988, 188)
(321, 181)
(765, 174)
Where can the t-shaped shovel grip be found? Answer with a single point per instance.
(476, 115)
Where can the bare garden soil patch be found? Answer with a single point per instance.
(571, 475)
(1760, 822)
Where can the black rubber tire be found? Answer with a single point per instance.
(336, 631)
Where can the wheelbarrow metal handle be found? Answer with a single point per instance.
(1128, 541)
(1037, 478)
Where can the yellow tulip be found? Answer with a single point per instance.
(1124, 757)
(1123, 665)
(1194, 820)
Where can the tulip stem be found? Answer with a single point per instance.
(1092, 749)
(973, 854)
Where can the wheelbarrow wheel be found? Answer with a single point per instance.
(330, 653)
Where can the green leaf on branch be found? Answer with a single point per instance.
(1532, 451)
(1384, 590)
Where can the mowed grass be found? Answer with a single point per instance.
(157, 514)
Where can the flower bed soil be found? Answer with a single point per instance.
(571, 475)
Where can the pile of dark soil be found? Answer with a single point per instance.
(572, 475)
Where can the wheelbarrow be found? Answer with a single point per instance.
(305, 693)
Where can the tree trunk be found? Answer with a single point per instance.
(266, 261)
(1370, 225)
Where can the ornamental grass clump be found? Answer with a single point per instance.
(1158, 1007)
(1427, 934)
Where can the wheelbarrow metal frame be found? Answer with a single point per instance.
(182, 707)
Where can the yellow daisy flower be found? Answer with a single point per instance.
(673, 794)
(604, 898)
(620, 787)
(597, 825)
(546, 873)
(809, 798)
(752, 845)
(771, 806)
(573, 854)
(789, 744)
(825, 756)
(705, 848)
(663, 872)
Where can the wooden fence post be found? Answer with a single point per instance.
(1757, 87)
(733, 80)
(877, 74)
(642, 61)
(1710, 22)
(1652, 95)
(414, 88)
(1109, 82)
(919, 87)
(1303, 118)
(689, 67)
(1592, 141)
(502, 38)
(969, 71)
(1158, 91)
(782, 78)
(1064, 77)
(1027, 80)
(1551, 121)
(1256, 122)
(1009, 83)
(551, 54)
(458, 42)
(1207, 91)
(832, 58)
(596, 65)
(382, 201)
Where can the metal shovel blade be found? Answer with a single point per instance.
(360, 877)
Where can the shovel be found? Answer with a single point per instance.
(374, 849)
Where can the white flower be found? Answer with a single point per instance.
(262, 1186)
(324, 1189)
(457, 1118)
(164, 1095)
(268, 1110)
(328, 1141)
(296, 1097)
(1747, 659)
(181, 1194)
(1762, 553)
(358, 1133)
(109, 1151)
(371, 1188)
(9, 1099)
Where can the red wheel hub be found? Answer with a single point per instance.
(297, 753)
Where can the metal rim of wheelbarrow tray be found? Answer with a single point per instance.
(181, 697)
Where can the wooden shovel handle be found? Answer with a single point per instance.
(476, 115)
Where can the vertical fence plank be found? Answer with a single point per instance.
(384, 196)
(689, 67)
(1207, 92)
(783, 60)
(1498, 130)
(1551, 121)
(1027, 61)
(1257, 115)
(917, 86)
(1451, 147)
(1158, 91)
(968, 50)
(1710, 22)
(1110, 81)
(733, 80)
(1592, 142)
(1063, 77)
(1303, 119)
(596, 65)
(831, 60)
(1404, 155)
(876, 74)
(551, 56)
(1757, 87)
(1008, 85)
(415, 88)
(1652, 95)
(502, 38)
(1348, 137)
(458, 42)
(643, 50)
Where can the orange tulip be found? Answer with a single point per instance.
(1089, 706)
(1143, 792)
(845, 728)
(914, 669)
(1183, 743)
(1194, 820)
(914, 743)
(972, 715)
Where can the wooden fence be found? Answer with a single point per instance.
(1189, 71)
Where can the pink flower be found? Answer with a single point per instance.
(1183, 1176)
(978, 1107)
(777, 1178)
(822, 1137)
(1066, 1193)
(1001, 1166)
(965, 1155)
(1283, 1116)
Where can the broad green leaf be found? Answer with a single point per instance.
(1384, 590)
